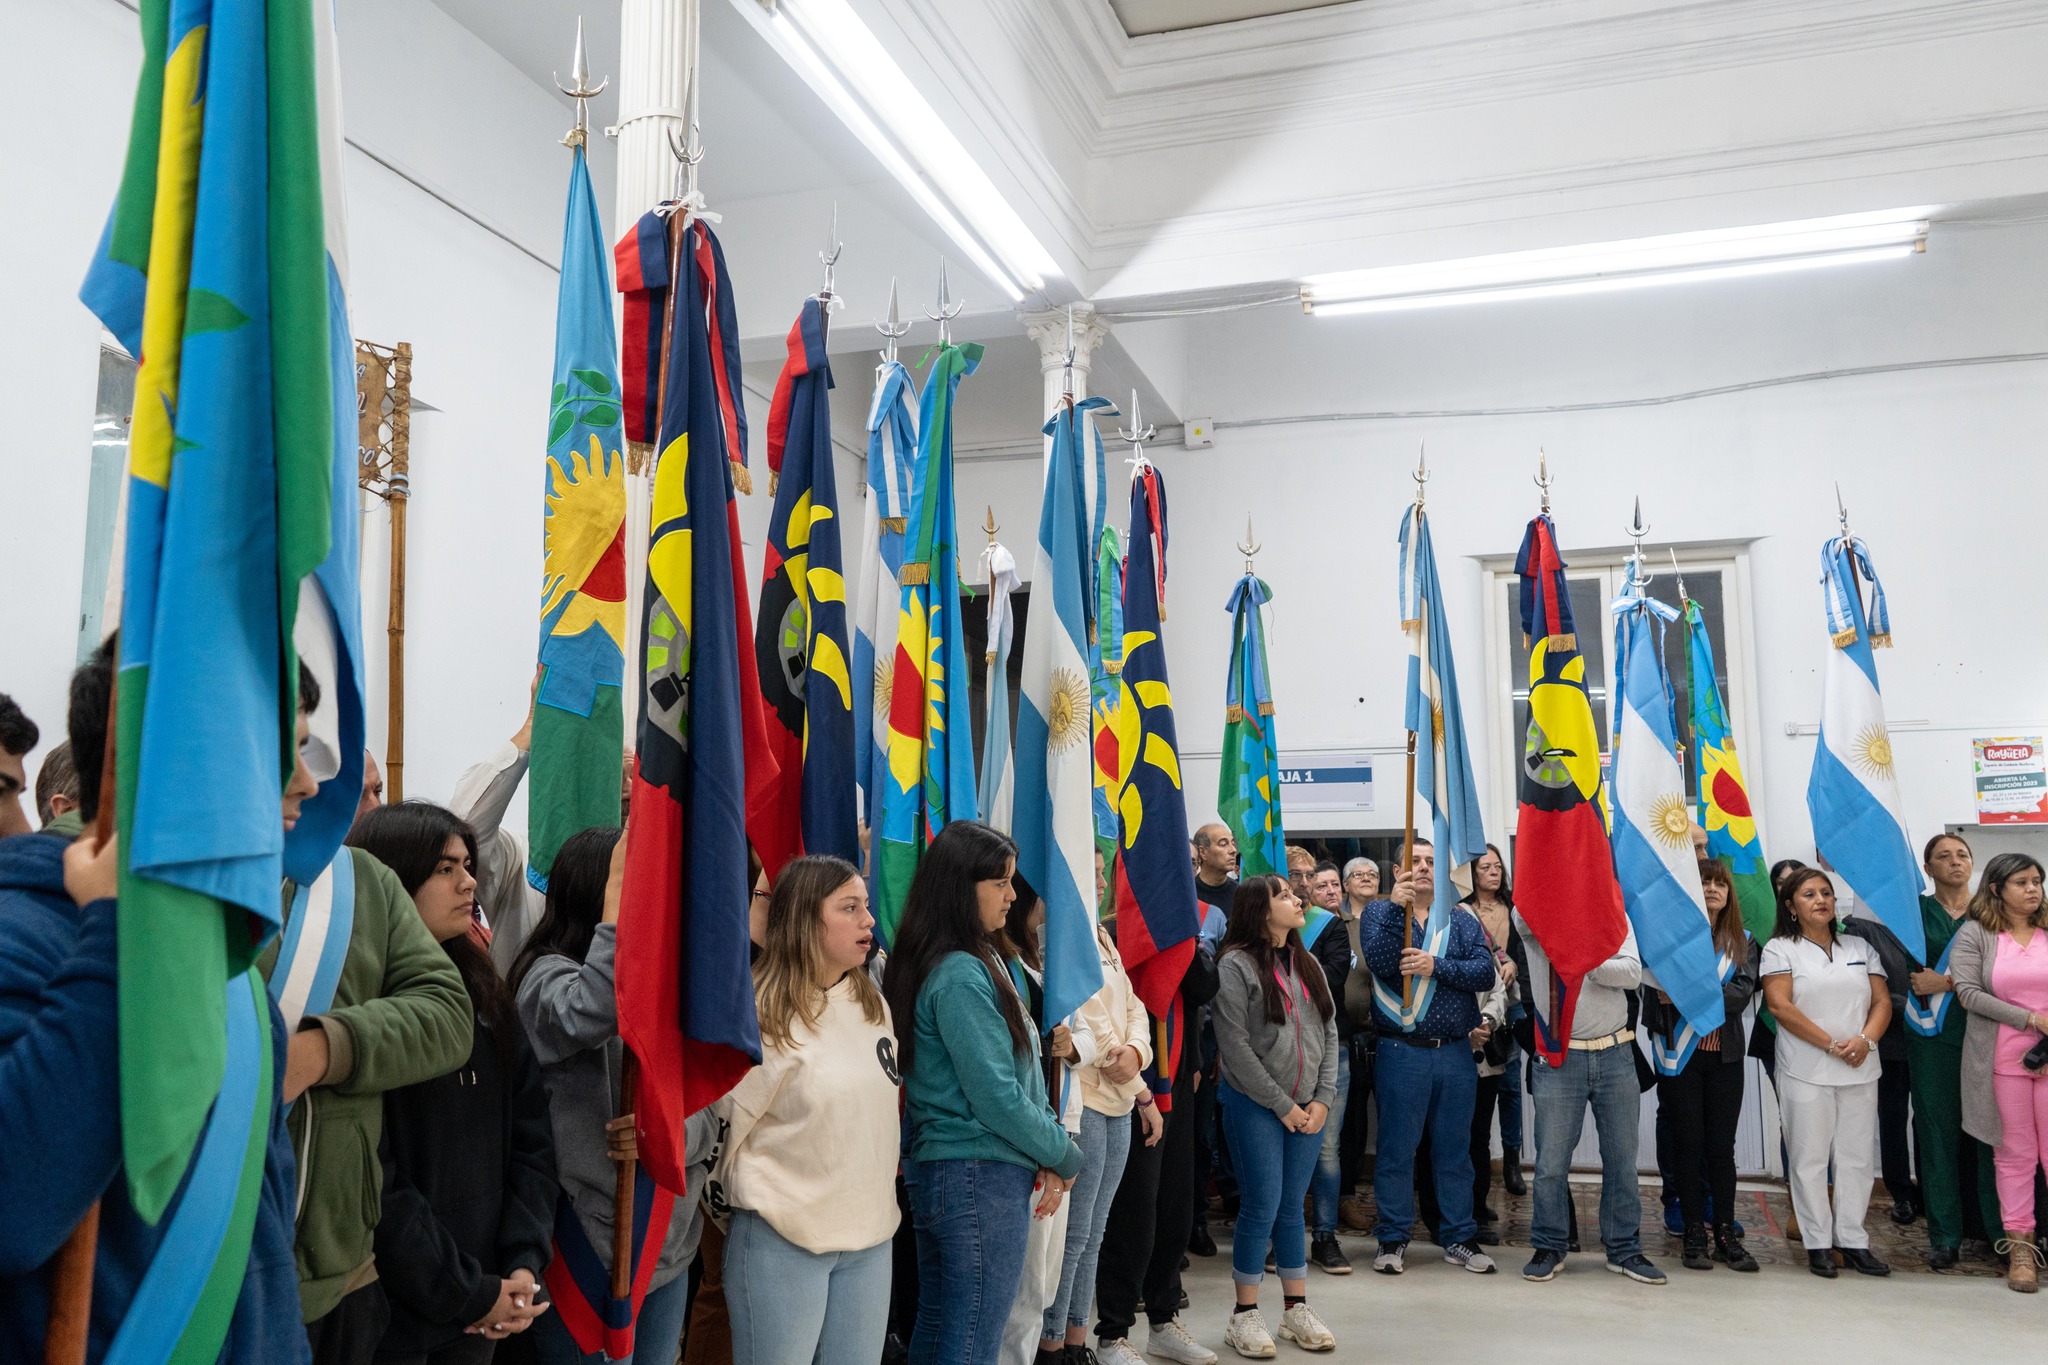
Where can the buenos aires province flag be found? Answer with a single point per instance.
(892, 451)
(1054, 816)
(1653, 857)
(1859, 822)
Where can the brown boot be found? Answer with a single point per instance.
(2021, 1275)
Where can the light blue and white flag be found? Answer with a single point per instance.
(998, 786)
(1652, 834)
(892, 451)
(1669, 1058)
(1927, 1019)
(1859, 822)
(1443, 762)
(1054, 819)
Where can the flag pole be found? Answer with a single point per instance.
(70, 1325)
(1421, 477)
(622, 1191)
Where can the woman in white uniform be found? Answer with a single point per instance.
(1827, 990)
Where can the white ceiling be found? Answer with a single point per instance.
(1164, 16)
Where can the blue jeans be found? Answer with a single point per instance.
(790, 1306)
(1105, 1146)
(1511, 1099)
(972, 1219)
(1439, 1087)
(1273, 1170)
(657, 1332)
(1607, 1081)
(1329, 1179)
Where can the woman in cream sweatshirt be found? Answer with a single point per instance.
(809, 1162)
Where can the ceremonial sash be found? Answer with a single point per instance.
(1927, 1019)
(1670, 1057)
(315, 942)
(1389, 997)
(581, 1285)
(186, 1300)
(1312, 928)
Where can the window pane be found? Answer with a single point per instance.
(1589, 617)
(112, 411)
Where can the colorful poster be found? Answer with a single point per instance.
(2012, 780)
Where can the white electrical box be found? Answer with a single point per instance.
(1194, 434)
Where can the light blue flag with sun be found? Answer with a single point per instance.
(578, 717)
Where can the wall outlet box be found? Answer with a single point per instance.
(1195, 434)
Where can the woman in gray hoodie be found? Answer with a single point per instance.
(569, 1008)
(1276, 1031)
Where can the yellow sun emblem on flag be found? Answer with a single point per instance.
(1670, 821)
(1068, 711)
(885, 682)
(1727, 797)
(1871, 752)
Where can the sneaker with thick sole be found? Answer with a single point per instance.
(1639, 1268)
(1170, 1341)
(1247, 1335)
(1544, 1265)
(1327, 1254)
(1392, 1260)
(1301, 1326)
(1468, 1255)
(1118, 1352)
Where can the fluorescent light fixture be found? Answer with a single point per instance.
(841, 60)
(1607, 267)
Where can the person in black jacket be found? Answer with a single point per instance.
(469, 1162)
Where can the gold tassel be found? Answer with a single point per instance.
(1265, 708)
(741, 479)
(896, 524)
(1844, 638)
(774, 481)
(1232, 714)
(1881, 641)
(1112, 666)
(638, 453)
(1566, 641)
(915, 575)
(1412, 623)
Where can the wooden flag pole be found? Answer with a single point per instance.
(70, 1324)
(1408, 862)
(622, 1192)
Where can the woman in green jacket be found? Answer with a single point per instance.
(982, 1136)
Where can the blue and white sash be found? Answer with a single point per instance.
(1670, 1058)
(315, 942)
(1389, 997)
(1926, 1020)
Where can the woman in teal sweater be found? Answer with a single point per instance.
(982, 1137)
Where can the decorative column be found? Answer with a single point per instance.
(1048, 328)
(657, 40)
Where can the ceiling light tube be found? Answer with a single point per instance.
(1606, 284)
(1603, 267)
(848, 67)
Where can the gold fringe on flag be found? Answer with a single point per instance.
(741, 479)
(1415, 623)
(774, 481)
(896, 524)
(1265, 708)
(1232, 714)
(1844, 638)
(1882, 640)
(638, 454)
(1112, 666)
(915, 575)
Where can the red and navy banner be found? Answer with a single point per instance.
(800, 636)
(641, 259)
(1564, 866)
(581, 1286)
(1157, 917)
(703, 772)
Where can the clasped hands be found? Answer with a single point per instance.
(514, 1311)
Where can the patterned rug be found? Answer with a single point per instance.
(1763, 1210)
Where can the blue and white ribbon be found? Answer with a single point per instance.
(1670, 1057)
(1433, 942)
(1927, 1020)
(1840, 559)
(316, 942)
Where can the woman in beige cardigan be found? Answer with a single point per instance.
(2008, 904)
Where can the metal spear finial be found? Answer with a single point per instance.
(1248, 547)
(1677, 574)
(947, 310)
(1636, 530)
(894, 328)
(989, 524)
(1543, 478)
(1067, 364)
(830, 258)
(1842, 512)
(1138, 434)
(583, 92)
(1421, 474)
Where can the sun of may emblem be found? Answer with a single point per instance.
(1066, 724)
(1872, 751)
(1670, 821)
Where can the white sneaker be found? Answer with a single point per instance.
(1468, 1255)
(1247, 1335)
(1301, 1326)
(1118, 1352)
(1170, 1341)
(1393, 1258)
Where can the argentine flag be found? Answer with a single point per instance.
(1054, 815)
(998, 780)
(1443, 763)
(892, 447)
(1652, 835)
(1859, 822)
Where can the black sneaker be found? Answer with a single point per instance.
(1696, 1255)
(1544, 1265)
(1079, 1355)
(1639, 1268)
(1325, 1252)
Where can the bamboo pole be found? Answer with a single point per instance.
(70, 1323)
(1408, 862)
(399, 493)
